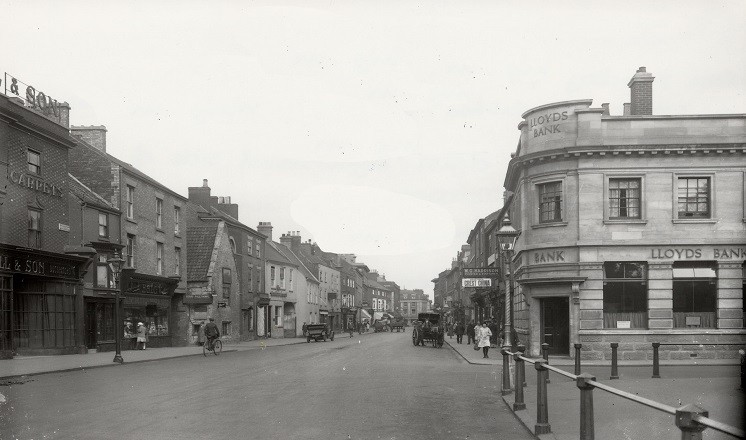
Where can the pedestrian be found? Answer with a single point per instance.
(450, 330)
(141, 336)
(350, 329)
(470, 333)
(483, 338)
(304, 328)
(459, 332)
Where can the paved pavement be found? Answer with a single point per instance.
(713, 386)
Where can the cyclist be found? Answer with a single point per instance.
(211, 332)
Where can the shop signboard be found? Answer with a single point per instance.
(480, 272)
(476, 282)
(32, 98)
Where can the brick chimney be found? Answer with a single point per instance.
(292, 240)
(225, 205)
(92, 134)
(65, 115)
(200, 194)
(265, 228)
(641, 93)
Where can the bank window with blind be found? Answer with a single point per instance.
(624, 199)
(550, 202)
(694, 294)
(694, 198)
(625, 294)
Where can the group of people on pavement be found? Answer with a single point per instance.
(483, 335)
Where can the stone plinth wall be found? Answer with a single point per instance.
(639, 347)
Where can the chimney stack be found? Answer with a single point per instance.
(200, 194)
(65, 115)
(626, 109)
(265, 228)
(95, 135)
(225, 205)
(605, 106)
(641, 93)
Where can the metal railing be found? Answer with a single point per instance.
(690, 419)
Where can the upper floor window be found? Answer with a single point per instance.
(103, 274)
(177, 220)
(177, 261)
(130, 249)
(34, 229)
(233, 244)
(272, 276)
(159, 258)
(250, 246)
(34, 162)
(130, 200)
(103, 224)
(249, 274)
(227, 281)
(258, 250)
(282, 277)
(159, 213)
(624, 198)
(550, 202)
(694, 197)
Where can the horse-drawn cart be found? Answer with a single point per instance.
(318, 332)
(428, 329)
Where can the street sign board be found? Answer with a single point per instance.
(480, 272)
(476, 282)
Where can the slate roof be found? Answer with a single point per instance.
(229, 218)
(273, 254)
(200, 243)
(290, 255)
(88, 196)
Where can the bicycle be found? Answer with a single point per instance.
(216, 349)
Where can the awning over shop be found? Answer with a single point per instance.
(364, 314)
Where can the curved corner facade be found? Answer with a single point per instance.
(633, 230)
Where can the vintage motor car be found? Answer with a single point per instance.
(428, 330)
(318, 332)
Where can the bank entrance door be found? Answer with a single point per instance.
(555, 325)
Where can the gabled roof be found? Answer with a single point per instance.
(290, 255)
(375, 284)
(87, 196)
(211, 210)
(200, 244)
(128, 168)
(273, 253)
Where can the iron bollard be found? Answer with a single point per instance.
(690, 429)
(542, 410)
(519, 404)
(522, 352)
(614, 370)
(656, 362)
(506, 372)
(586, 406)
(545, 354)
(577, 358)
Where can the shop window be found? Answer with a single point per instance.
(34, 229)
(153, 317)
(625, 295)
(44, 314)
(103, 225)
(103, 273)
(130, 202)
(693, 197)
(34, 162)
(550, 202)
(694, 295)
(624, 198)
(130, 249)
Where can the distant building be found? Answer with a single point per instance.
(414, 302)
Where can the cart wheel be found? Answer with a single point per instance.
(308, 339)
(415, 340)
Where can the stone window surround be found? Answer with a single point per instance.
(675, 196)
(643, 198)
(535, 201)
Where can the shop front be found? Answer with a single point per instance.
(40, 302)
(147, 300)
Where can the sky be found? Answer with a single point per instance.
(379, 128)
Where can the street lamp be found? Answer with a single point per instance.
(115, 264)
(506, 237)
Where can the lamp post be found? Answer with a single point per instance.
(506, 237)
(116, 268)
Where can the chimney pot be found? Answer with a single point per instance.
(204, 183)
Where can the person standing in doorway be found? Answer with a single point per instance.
(483, 339)
(470, 333)
(141, 336)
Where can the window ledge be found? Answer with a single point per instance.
(634, 221)
(697, 220)
(131, 220)
(548, 225)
